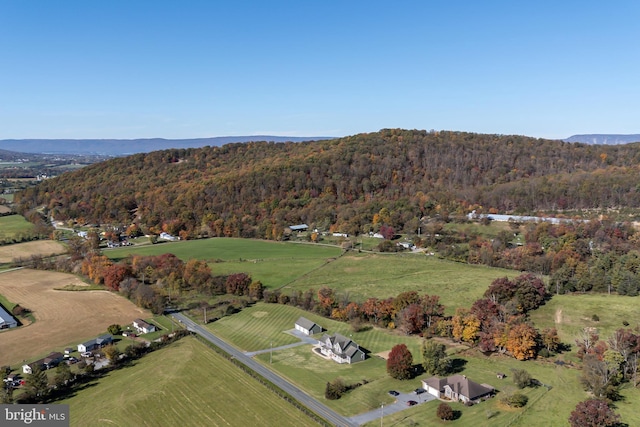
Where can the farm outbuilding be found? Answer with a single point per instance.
(7, 320)
(307, 327)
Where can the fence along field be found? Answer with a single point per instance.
(63, 318)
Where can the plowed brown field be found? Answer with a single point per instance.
(24, 250)
(63, 318)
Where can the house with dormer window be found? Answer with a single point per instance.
(341, 349)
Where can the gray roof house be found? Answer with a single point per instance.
(53, 359)
(457, 388)
(299, 227)
(341, 349)
(143, 327)
(93, 344)
(6, 320)
(307, 327)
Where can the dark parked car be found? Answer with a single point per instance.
(393, 393)
(411, 403)
(419, 390)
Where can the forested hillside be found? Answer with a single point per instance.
(351, 184)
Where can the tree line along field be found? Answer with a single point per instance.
(273, 263)
(184, 384)
(263, 325)
(296, 266)
(381, 275)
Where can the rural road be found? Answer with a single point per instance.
(302, 397)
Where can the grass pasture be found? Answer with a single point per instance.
(63, 318)
(384, 275)
(200, 388)
(570, 314)
(303, 266)
(24, 250)
(273, 263)
(13, 225)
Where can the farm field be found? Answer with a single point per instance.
(185, 384)
(63, 318)
(273, 263)
(12, 225)
(386, 275)
(570, 314)
(24, 250)
(303, 266)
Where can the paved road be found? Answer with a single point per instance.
(302, 397)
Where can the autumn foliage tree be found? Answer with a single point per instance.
(445, 412)
(115, 274)
(465, 326)
(593, 413)
(400, 363)
(522, 341)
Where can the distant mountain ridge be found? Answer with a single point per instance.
(604, 139)
(122, 147)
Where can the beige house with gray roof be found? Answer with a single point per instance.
(458, 388)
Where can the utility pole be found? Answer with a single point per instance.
(205, 315)
(271, 353)
(382, 417)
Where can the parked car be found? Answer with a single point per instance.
(393, 393)
(419, 390)
(411, 403)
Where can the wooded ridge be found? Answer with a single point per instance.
(350, 184)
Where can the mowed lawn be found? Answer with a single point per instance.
(262, 325)
(185, 384)
(273, 263)
(386, 275)
(256, 327)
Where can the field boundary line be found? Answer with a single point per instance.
(11, 269)
(324, 264)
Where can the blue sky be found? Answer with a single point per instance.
(138, 69)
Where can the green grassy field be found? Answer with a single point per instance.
(262, 325)
(386, 275)
(12, 225)
(185, 384)
(273, 263)
(304, 266)
(570, 314)
(8, 305)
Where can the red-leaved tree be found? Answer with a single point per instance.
(593, 413)
(400, 363)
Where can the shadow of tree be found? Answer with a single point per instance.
(457, 365)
